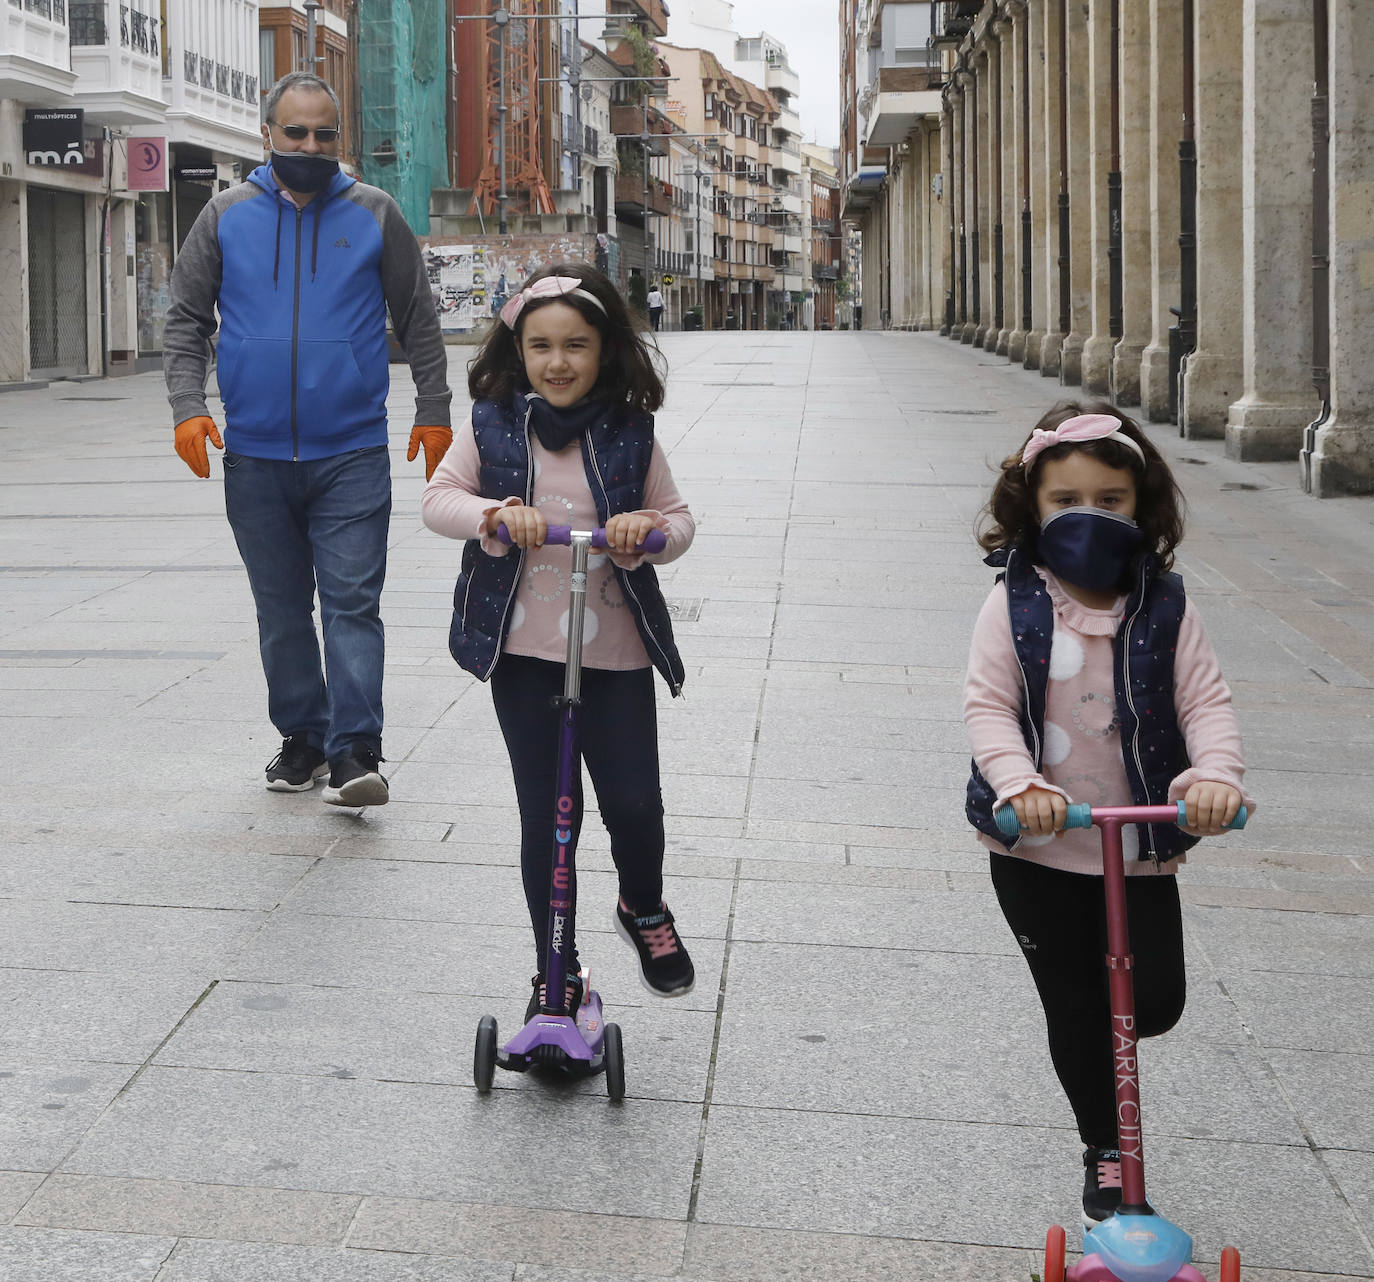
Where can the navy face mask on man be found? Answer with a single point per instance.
(304, 171)
(1089, 547)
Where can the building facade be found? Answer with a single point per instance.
(1165, 203)
(117, 124)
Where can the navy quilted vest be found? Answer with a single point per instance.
(1151, 743)
(616, 461)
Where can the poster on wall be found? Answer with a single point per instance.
(458, 281)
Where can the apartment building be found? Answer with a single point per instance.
(117, 123)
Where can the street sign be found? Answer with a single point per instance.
(668, 280)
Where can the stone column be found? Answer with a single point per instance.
(937, 233)
(1341, 455)
(992, 186)
(1136, 311)
(1044, 179)
(1214, 376)
(1014, 184)
(1166, 128)
(1004, 212)
(1099, 346)
(1051, 346)
(14, 265)
(975, 96)
(949, 219)
(1267, 422)
(958, 188)
(1084, 81)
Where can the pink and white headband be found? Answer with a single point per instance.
(548, 287)
(1082, 427)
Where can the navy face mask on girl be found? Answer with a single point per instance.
(302, 171)
(1089, 547)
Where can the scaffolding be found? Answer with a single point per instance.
(512, 174)
(401, 75)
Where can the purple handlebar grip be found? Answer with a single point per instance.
(654, 541)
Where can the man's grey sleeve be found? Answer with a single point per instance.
(191, 316)
(405, 283)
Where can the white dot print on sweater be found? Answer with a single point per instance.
(1066, 656)
(590, 625)
(1057, 745)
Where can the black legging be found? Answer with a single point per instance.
(1059, 921)
(617, 727)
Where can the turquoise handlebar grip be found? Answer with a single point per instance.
(1080, 815)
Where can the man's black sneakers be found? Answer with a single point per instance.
(665, 969)
(355, 780)
(296, 767)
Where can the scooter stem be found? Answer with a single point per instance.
(1121, 985)
(562, 884)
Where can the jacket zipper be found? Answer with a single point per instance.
(1130, 703)
(295, 340)
(520, 567)
(624, 581)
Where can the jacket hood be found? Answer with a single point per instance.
(262, 177)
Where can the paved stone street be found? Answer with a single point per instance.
(236, 1026)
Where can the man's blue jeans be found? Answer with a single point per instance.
(301, 526)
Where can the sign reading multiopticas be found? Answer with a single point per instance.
(53, 136)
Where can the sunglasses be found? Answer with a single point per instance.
(299, 133)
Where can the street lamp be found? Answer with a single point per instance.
(703, 176)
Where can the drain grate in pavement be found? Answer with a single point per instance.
(1242, 485)
(684, 609)
(741, 384)
(92, 398)
(960, 413)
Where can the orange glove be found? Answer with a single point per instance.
(436, 441)
(190, 441)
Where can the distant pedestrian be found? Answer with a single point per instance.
(656, 305)
(1091, 679)
(565, 389)
(302, 263)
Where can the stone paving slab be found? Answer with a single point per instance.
(238, 1025)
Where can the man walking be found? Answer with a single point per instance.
(655, 303)
(303, 262)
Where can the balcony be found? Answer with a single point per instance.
(629, 196)
(954, 19)
(35, 65)
(117, 57)
(652, 14)
(213, 105)
(778, 75)
(897, 102)
(825, 271)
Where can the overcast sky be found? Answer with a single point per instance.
(811, 31)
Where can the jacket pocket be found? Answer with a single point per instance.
(255, 380)
(329, 377)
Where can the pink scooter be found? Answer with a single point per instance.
(1135, 1244)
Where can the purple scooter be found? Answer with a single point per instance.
(1135, 1244)
(578, 1043)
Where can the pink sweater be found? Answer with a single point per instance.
(452, 506)
(1082, 755)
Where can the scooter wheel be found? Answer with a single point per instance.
(1230, 1265)
(614, 1051)
(1054, 1255)
(484, 1055)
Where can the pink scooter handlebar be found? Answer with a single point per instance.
(1082, 815)
(655, 541)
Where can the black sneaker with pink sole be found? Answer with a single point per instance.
(665, 969)
(1101, 1184)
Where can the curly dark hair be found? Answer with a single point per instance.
(1011, 516)
(631, 364)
